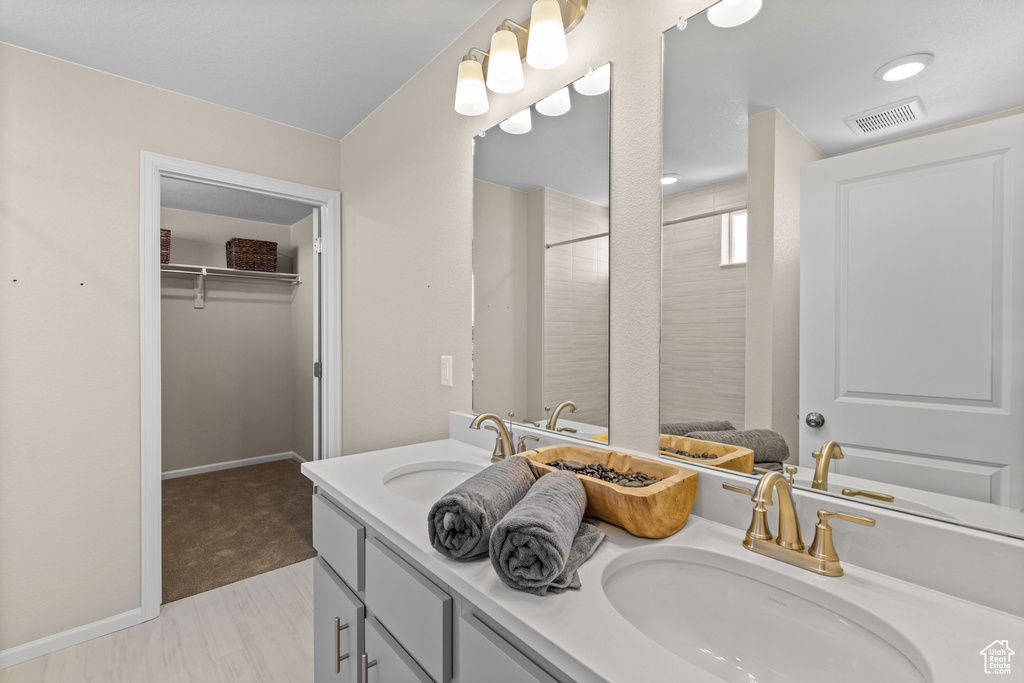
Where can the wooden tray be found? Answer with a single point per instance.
(654, 511)
(733, 458)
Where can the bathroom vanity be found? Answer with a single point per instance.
(695, 606)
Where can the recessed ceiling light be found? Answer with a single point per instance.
(905, 67)
(669, 178)
(731, 13)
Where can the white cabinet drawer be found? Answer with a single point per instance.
(337, 628)
(415, 611)
(339, 540)
(486, 656)
(392, 664)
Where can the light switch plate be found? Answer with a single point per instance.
(446, 371)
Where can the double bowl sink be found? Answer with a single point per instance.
(734, 616)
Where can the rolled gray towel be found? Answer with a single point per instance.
(541, 543)
(684, 428)
(460, 523)
(768, 446)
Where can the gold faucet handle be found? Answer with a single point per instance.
(822, 547)
(874, 495)
(761, 470)
(738, 489)
(824, 516)
(791, 471)
(522, 442)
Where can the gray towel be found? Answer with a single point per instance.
(461, 522)
(684, 428)
(541, 542)
(768, 446)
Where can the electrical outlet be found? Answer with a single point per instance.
(446, 371)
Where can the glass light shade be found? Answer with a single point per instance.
(470, 92)
(597, 82)
(504, 66)
(517, 124)
(730, 13)
(905, 67)
(546, 47)
(555, 104)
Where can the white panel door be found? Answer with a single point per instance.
(911, 314)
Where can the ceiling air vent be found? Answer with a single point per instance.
(888, 116)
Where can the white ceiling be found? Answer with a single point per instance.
(224, 201)
(567, 153)
(319, 65)
(815, 62)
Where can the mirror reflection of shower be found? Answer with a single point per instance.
(540, 262)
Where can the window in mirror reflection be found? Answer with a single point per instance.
(734, 238)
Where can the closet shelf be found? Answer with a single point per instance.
(200, 273)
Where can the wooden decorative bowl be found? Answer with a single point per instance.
(655, 511)
(733, 458)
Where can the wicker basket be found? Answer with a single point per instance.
(243, 254)
(165, 246)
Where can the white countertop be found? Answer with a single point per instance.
(581, 633)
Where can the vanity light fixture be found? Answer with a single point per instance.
(470, 92)
(540, 41)
(546, 48)
(732, 13)
(555, 104)
(518, 124)
(670, 179)
(504, 66)
(905, 67)
(596, 82)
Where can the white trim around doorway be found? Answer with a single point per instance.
(153, 167)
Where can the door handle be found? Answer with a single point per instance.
(814, 420)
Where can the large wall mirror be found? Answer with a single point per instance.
(908, 244)
(540, 262)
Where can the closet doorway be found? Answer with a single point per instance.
(240, 370)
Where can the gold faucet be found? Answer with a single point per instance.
(553, 420)
(829, 452)
(789, 546)
(503, 447)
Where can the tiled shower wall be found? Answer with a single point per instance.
(703, 310)
(576, 307)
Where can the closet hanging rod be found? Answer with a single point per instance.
(578, 239)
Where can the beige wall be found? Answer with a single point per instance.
(703, 310)
(69, 341)
(500, 284)
(230, 371)
(775, 152)
(407, 264)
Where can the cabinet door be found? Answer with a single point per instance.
(486, 656)
(337, 628)
(393, 664)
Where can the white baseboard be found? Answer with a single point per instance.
(289, 455)
(59, 641)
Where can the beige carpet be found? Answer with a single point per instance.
(226, 526)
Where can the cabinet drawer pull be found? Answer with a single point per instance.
(338, 657)
(365, 674)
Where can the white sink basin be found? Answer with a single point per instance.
(425, 482)
(744, 623)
